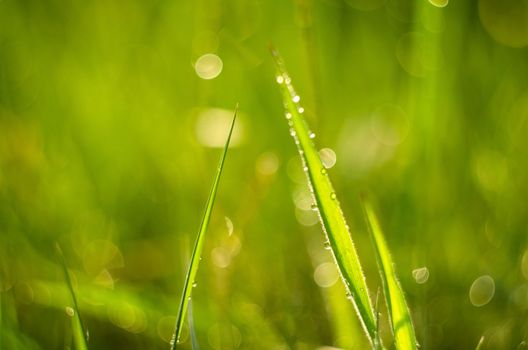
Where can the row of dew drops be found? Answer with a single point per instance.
(283, 78)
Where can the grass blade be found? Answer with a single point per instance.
(399, 315)
(480, 343)
(330, 213)
(198, 245)
(80, 336)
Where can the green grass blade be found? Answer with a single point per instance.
(198, 245)
(480, 343)
(330, 213)
(399, 315)
(79, 331)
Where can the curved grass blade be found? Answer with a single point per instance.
(80, 336)
(399, 315)
(330, 213)
(198, 245)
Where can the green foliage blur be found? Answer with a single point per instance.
(112, 118)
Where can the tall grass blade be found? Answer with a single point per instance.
(80, 336)
(329, 209)
(198, 245)
(399, 315)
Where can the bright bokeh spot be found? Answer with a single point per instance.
(306, 217)
(439, 3)
(482, 290)
(328, 157)
(421, 275)
(212, 128)
(208, 66)
(326, 275)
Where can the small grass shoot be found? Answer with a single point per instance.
(399, 315)
(198, 246)
(80, 335)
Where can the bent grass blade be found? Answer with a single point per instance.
(330, 213)
(198, 245)
(399, 315)
(80, 336)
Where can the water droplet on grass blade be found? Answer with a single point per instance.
(311, 135)
(296, 98)
(280, 79)
(333, 195)
(300, 110)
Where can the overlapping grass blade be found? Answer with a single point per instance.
(330, 213)
(198, 245)
(79, 331)
(399, 315)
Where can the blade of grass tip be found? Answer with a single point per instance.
(198, 245)
(399, 315)
(79, 332)
(480, 343)
(330, 213)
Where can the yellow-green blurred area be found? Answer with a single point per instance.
(112, 117)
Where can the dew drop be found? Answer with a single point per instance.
(301, 110)
(305, 168)
(333, 195)
(327, 245)
(323, 171)
(314, 207)
(194, 285)
(311, 135)
(292, 132)
(288, 115)
(296, 98)
(280, 79)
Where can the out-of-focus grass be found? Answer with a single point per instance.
(108, 137)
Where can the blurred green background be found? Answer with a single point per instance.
(111, 118)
